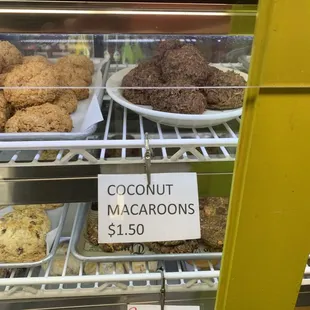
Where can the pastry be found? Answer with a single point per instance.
(90, 268)
(38, 85)
(50, 206)
(5, 111)
(44, 118)
(22, 236)
(178, 99)
(9, 55)
(36, 58)
(79, 61)
(185, 63)
(146, 74)
(67, 100)
(58, 262)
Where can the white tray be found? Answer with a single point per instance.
(208, 118)
(96, 88)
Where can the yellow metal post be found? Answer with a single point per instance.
(267, 240)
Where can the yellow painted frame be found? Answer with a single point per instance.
(267, 239)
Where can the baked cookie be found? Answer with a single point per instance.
(5, 111)
(79, 61)
(10, 56)
(22, 236)
(67, 100)
(213, 217)
(2, 78)
(38, 85)
(67, 72)
(50, 206)
(187, 247)
(44, 118)
(90, 268)
(36, 58)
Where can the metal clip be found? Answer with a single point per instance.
(147, 158)
(162, 289)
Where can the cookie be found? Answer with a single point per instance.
(50, 206)
(67, 100)
(213, 217)
(37, 82)
(79, 61)
(5, 111)
(9, 55)
(44, 118)
(22, 236)
(90, 268)
(36, 58)
(2, 78)
(188, 247)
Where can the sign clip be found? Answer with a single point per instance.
(147, 158)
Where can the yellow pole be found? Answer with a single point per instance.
(267, 240)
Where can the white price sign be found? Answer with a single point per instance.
(130, 210)
(154, 307)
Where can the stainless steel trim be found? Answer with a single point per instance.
(77, 231)
(124, 17)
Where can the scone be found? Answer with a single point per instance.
(90, 268)
(22, 236)
(5, 111)
(36, 58)
(44, 118)
(67, 100)
(80, 61)
(10, 56)
(37, 82)
(50, 206)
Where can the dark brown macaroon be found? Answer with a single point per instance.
(182, 98)
(186, 247)
(167, 45)
(146, 74)
(224, 98)
(213, 217)
(185, 63)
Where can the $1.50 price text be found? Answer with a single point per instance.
(125, 230)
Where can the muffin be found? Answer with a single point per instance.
(38, 85)
(44, 118)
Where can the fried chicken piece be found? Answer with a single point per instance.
(44, 118)
(38, 85)
(79, 61)
(5, 111)
(10, 55)
(67, 100)
(146, 74)
(185, 63)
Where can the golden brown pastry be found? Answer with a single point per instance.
(5, 111)
(10, 56)
(38, 85)
(44, 118)
(80, 61)
(67, 100)
(22, 236)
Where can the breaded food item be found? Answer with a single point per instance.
(36, 58)
(38, 85)
(90, 268)
(213, 217)
(5, 111)
(22, 236)
(224, 98)
(44, 118)
(79, 61)
(67, 100)
(185, 63)
(146, 74)
(178, 99)
(9, 55)
(67, 72)
(50, 206)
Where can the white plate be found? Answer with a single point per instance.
(208, 118)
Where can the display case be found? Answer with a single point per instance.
(143, 88)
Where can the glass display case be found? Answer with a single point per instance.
(94, 90)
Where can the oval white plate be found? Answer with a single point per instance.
(208, 118)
